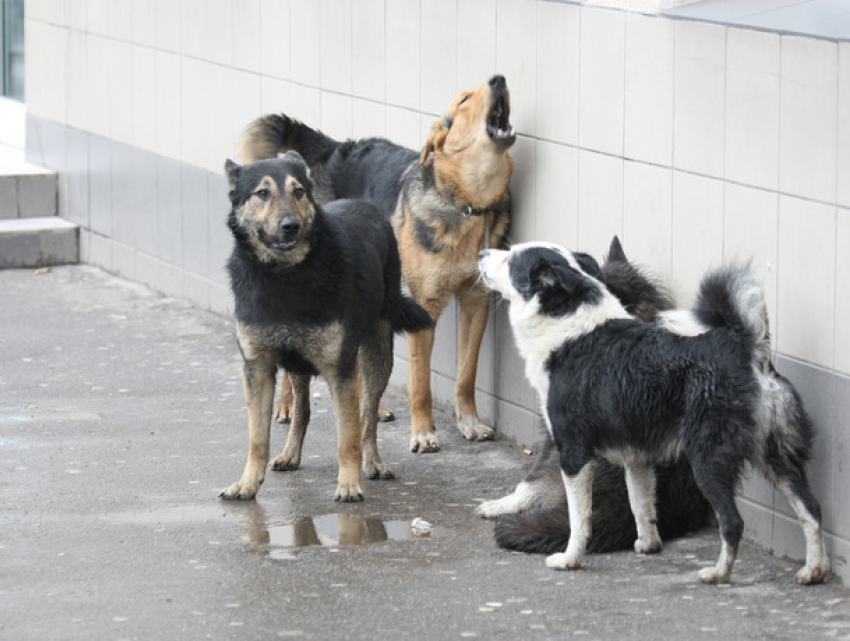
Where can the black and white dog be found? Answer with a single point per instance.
(534, 517)
(700, 382)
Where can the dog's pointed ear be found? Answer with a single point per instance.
(588, 265)
(615, 252)
(233, 171)
(437, 137)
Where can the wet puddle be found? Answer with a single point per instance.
(346, 528)
(278, 539)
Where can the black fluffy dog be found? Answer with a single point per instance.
(317, 291)
(700, 383)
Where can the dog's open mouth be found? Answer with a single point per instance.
(276, 243)
(499, 122)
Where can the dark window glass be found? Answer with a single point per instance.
(12, 48)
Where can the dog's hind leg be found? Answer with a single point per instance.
(579, 489)
(471, 325)
(807, 509)
(258, 379)
(640, 481)
(719, 489)
(782, 461)
(375, 362)
(817, 563)
(290, 458)
(284, 400)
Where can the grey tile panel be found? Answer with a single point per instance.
(75, 187)
(194, 216)
(221, 240)
(100, 186)
(141, 190)
(122, 193)
(169, 189)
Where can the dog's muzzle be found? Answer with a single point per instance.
(287, 236)
(482, 266)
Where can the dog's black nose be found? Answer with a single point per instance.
(289, 227)
(497, 82)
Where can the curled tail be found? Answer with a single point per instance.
(729, 298)
(732, 298)
(272, 134)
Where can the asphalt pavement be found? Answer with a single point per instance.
(122, 418)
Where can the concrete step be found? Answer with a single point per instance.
(38, 242)
(31, 234)
(26, 190)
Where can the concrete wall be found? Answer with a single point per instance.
(694, 142)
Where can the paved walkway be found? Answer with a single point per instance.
(122, 417)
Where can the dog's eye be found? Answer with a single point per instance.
(263, 194)
(464, 99)
(298, 192)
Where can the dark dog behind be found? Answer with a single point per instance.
(534, 518)
(317, 291)
(447, 202)
(698, 383)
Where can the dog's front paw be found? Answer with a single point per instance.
(812, 575)
(241, 490)
(424, 443)
(563, 561)
(348, 493)
(648, 546)
(374, 470)
(474, 430)
(385, 414)
(286, 463)
(714, 576)
(497, 507)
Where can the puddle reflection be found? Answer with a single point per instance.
(329, 530)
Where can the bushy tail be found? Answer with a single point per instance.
(410, 317)
(547, 531)
(733, 299)
(681, 509)
(272, 134)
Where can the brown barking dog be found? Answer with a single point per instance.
(446, 204)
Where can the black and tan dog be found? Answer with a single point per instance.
(317, 290)
(446, 202)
